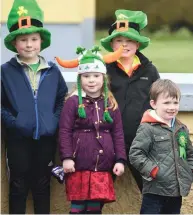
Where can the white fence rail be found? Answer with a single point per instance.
(184, 81)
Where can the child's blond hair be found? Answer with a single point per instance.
(112, 100)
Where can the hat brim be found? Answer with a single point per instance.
(45, 36)
(143, 41)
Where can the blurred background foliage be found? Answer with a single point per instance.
(173, 13)
(170, 28)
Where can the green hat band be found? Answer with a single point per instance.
(26, 21)
(122, 24)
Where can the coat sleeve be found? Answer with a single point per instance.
(66, 126)
(138, 154)
(118, 137)
(155, 74)
(61, 93)
(190, 153)
(6, 115)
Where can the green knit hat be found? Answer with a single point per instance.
(91, 61)
(128, 24)
(26, 17)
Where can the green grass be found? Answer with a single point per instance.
(170, 53)
(171, 56)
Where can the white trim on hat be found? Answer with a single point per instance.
(96, 66)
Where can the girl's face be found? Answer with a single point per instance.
(92, 83)
(129, 46)
(28, 47)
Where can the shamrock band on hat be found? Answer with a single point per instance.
(91, 61)
(26, 17)
(128, 24)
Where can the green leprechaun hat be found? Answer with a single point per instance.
(91, 61)
(26, 17)
(128, 24)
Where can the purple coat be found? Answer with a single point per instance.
(92, 143)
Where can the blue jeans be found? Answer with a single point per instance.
(155, 204)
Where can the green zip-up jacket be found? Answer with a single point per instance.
(157, 145)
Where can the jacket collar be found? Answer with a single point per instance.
(15, 63)
(84, 96)
(43, 63)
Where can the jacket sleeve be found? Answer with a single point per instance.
(138, 154)
(155, 76)
(61, 93)
(6, 115)
(118, 137)
(66, 126)
(155, 73)
(190, 153)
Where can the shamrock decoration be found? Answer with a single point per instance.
(96, 49)
(182, 140)
(22, 11)
(80, 50)
(122, 16)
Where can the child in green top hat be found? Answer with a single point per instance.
(132, 75)
(33, 92)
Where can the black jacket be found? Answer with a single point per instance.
(26, 114)
(132, 93)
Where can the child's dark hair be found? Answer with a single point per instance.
(165, 86)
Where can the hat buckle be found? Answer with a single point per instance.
(122, 25)
(24, 22)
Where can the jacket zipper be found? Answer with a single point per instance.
(74, 154)
(36, 106)
(96, 106)
(96, 163)
(36, 111)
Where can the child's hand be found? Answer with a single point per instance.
(68, 166)
(118, 169)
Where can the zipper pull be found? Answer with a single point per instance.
(96, 163)
(35, 93)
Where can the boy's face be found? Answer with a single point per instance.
(129, 46)
(28, 46)
(92, 83)
(166, 107)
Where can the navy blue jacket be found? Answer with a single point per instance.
(26, 114)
